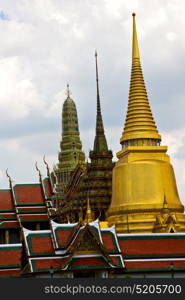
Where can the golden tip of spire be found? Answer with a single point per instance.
(133, 14)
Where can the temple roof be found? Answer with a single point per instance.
(72, 246)
(25, 203)
(29, 194)
(6, 201)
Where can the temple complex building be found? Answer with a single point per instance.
(98, 218)
(95, 180)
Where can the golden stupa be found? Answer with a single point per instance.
(144, 191)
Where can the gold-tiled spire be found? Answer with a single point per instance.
(139, 122)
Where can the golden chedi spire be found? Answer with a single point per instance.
(139, 124)
(143, 175)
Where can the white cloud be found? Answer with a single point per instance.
(1, 175)
(18, 94)
(19, 156)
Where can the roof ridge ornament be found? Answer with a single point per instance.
(47, 166)
(9, 177)
(40, 175)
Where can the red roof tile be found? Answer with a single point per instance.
(33, 217)
(10, 273)
(148, 247)
(6, 200)
(27, 194)
(10, 256)
(42, 244)
(45, 264)
(48, 187)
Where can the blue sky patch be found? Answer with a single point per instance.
(3, 16)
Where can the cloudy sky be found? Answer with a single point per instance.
(47, 43)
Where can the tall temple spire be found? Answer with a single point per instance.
(143, 176)
(100, 142)
(99, 123)
(71, 153)
(139, 122)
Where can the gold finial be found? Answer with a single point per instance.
(68, 92)
(135, 47)
(89, 215)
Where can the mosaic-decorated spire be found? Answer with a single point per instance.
(71, 152)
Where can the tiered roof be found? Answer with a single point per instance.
(72, 246)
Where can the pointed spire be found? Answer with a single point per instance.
(135, 47)
(89, 215)
(68, 92)
(99, 121)
(139, 122)
(165, 205)
(100, 142)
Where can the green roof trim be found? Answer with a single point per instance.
(8, 218)
(44, 210)
(10, 248)
(9, 266)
